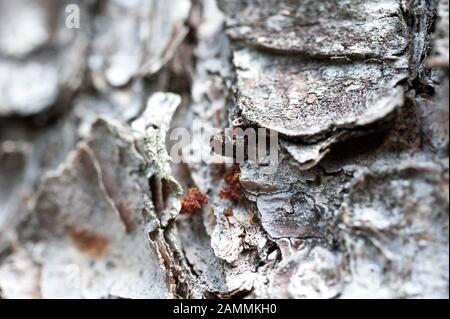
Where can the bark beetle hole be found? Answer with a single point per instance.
(153, 235)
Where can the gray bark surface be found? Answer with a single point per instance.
(90, 202)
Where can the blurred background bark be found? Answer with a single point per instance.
(92, 207)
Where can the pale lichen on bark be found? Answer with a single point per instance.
(89, 199)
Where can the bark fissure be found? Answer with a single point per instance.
(91, 202)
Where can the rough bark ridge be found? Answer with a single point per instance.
(90, 202)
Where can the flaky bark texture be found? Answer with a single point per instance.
(91, 205)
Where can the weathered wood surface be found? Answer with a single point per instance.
(90, 202)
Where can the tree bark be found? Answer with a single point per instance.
(91, 205)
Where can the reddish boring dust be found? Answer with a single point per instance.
(232, 189)
(229, 212)
(194, 202)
